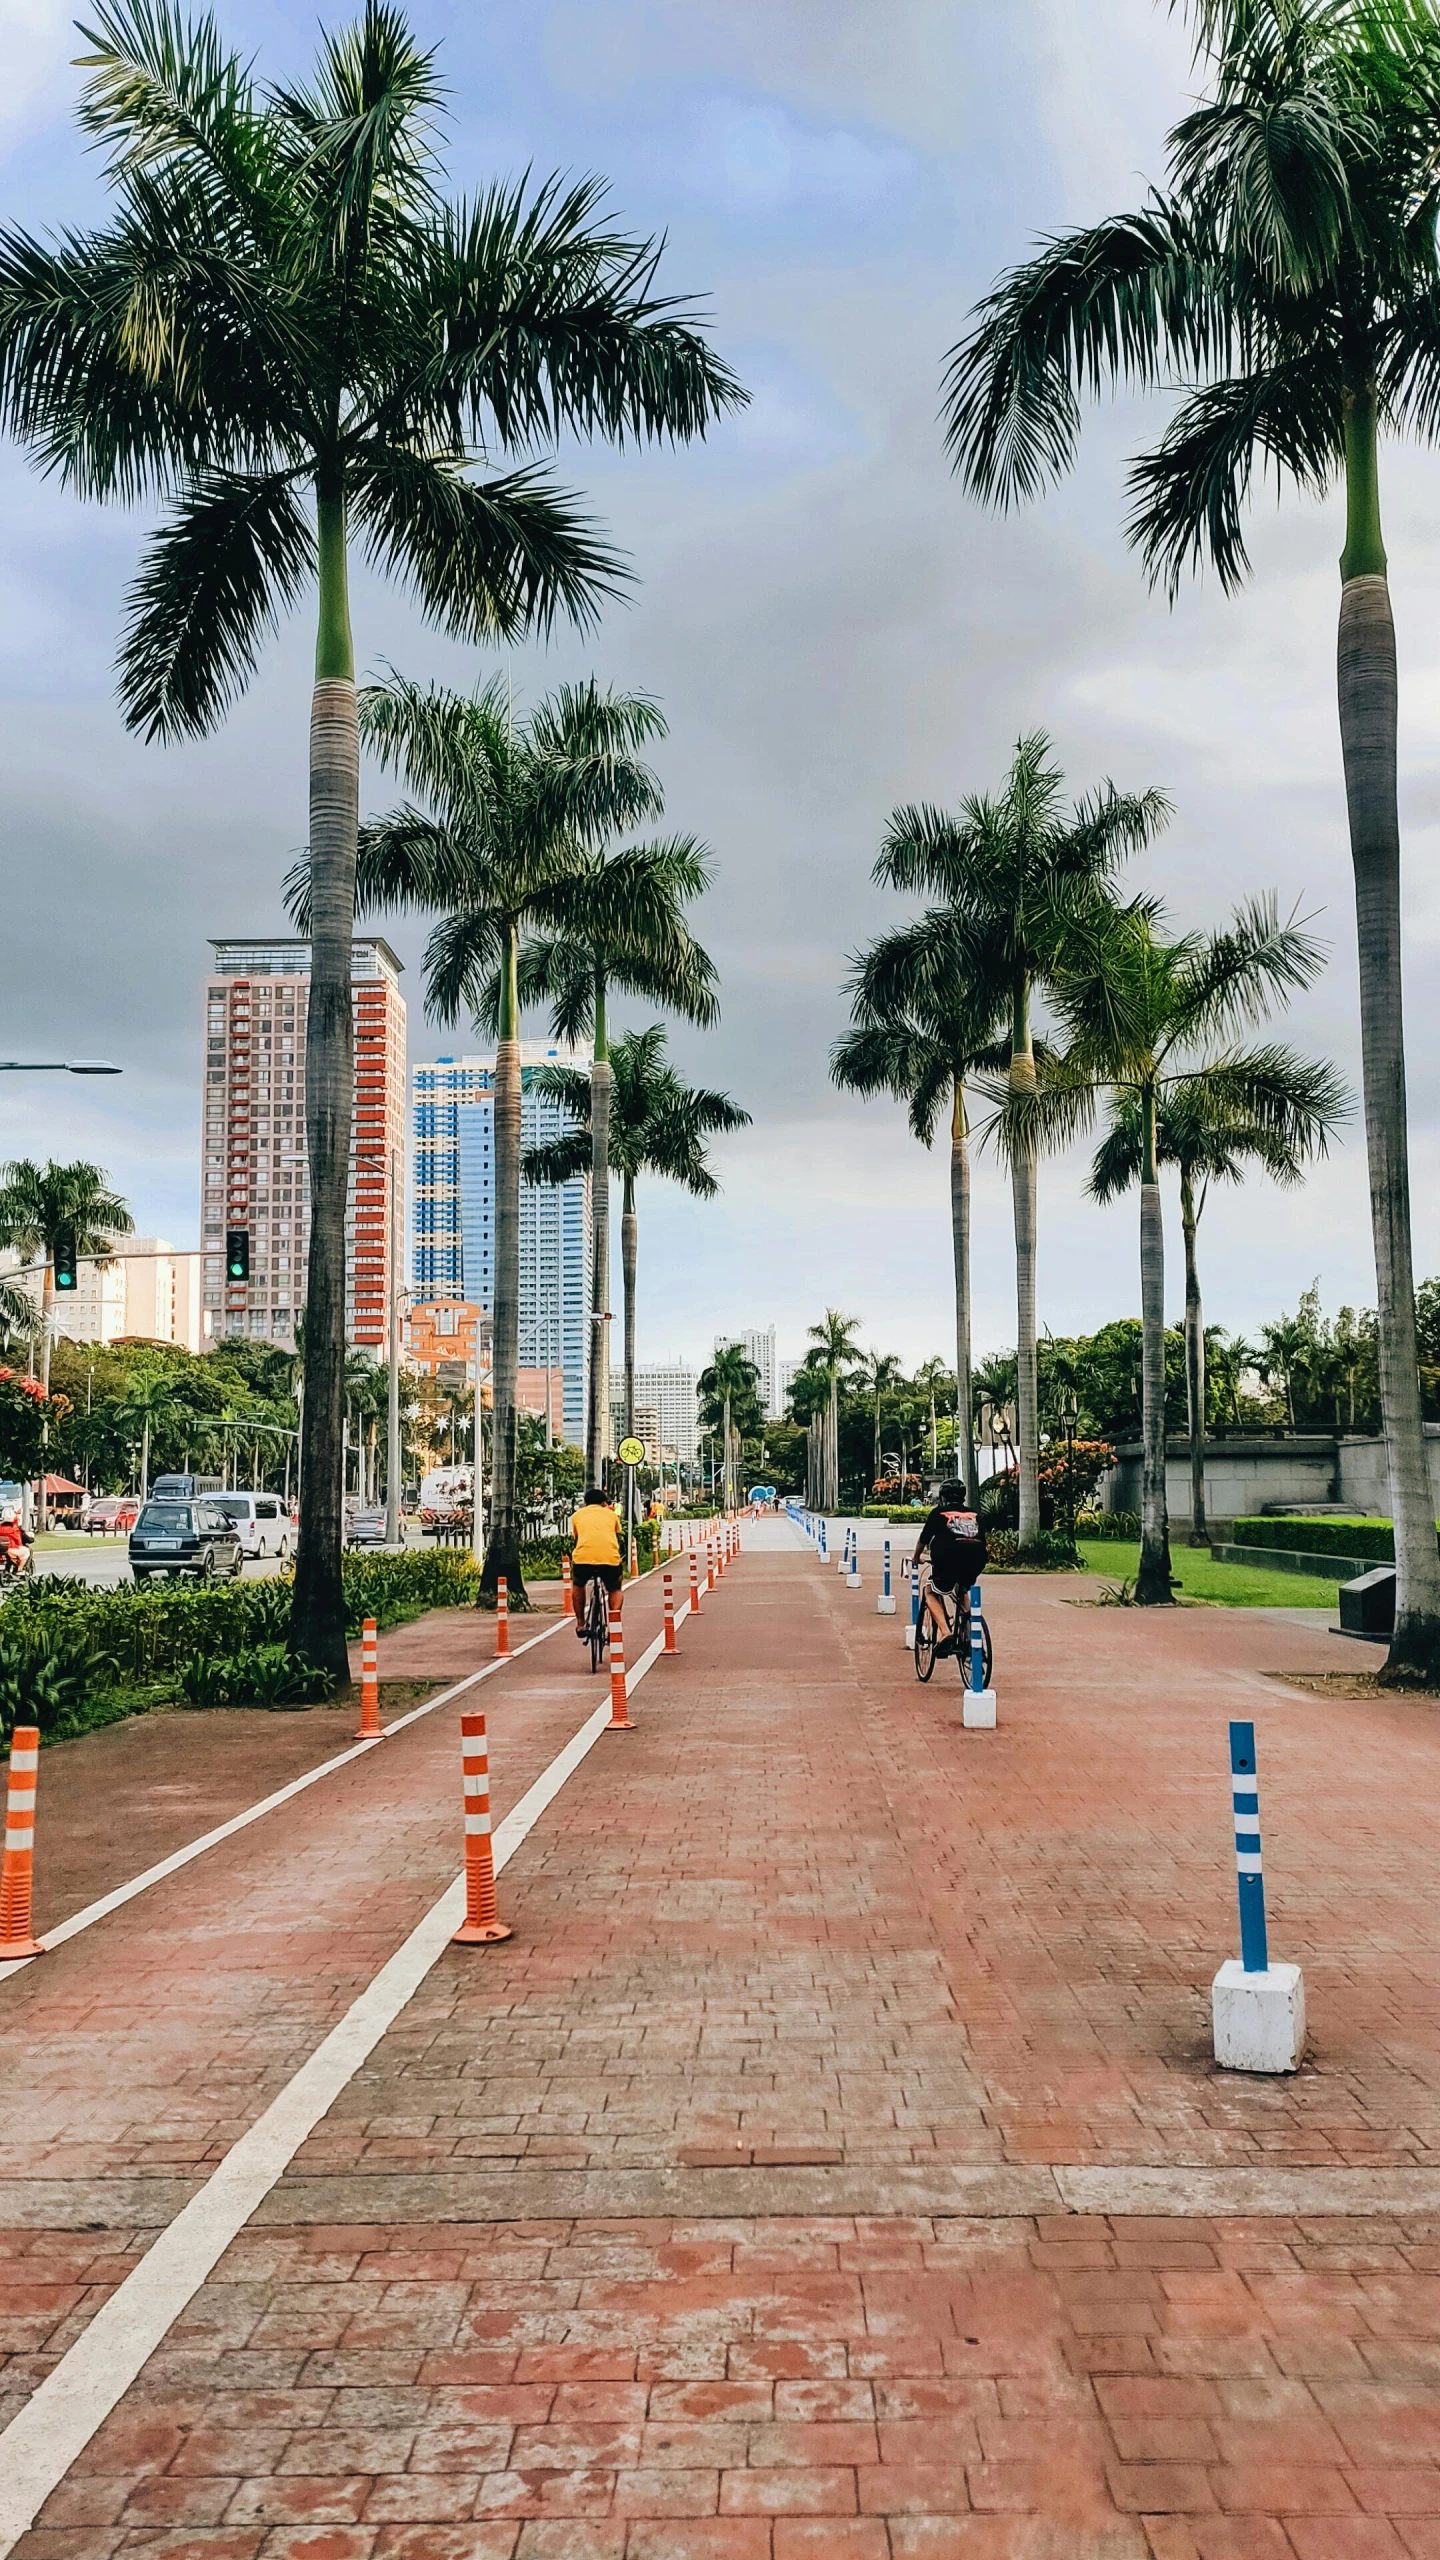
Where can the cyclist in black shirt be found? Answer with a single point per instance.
(955, 1543)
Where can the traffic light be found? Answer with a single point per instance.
(237, 1253)
(66, 1276)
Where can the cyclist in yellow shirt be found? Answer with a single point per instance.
(595, 1555)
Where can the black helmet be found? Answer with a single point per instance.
(951, 1497)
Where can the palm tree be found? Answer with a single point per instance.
(657, 1125)
(727, 1388)
(1196, 1131)
(45, 1208)
(512, 807)
(1287, 283)
(1015, 874)
(151, 1400)
(1142, 1013)
(836, 1351)
(288, 338)
(631, 936)
(881, 1376)
(921, 1037)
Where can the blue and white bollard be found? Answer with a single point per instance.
(1258, 2008)
(885, 1605)
(914, 1608)
(978, 1712)
(824, 1556)
(852, 1578)
(844, 1564)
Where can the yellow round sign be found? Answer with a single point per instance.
(631, 1452)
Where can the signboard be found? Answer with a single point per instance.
(631, 1452)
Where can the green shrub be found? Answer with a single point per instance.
(1370, 1539)
(263, 1675)
(48, 1676)
(1124, 1525)
(204, 1681)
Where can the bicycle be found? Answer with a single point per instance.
(927, 1639)
(596, 1621)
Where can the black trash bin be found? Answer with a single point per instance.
(1367, 1605)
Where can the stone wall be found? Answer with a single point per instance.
(1242, 1476)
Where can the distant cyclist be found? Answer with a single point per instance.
(955, 1543)
(595, 1555)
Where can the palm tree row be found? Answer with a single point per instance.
(1284, 284)
(292, 343)
(1028, 909)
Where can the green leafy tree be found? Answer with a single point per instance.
(833, 1356)
(729, 1398)
(1201, 1129)
(921, 1030)
(1015, 873)
(509, 809)
(288, 338)
(47, 1207)
(1286, 283)
(657, 1125)
(630, 936)
(1149, 1017)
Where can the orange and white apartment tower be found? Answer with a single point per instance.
(254, 1176)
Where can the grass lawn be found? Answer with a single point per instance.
(1237, 1586)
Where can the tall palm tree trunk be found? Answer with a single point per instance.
(725, 1500)
(629, 1262)
(1194, 1361)
(1152, 1583)
(960, 1245)
(1024, 1186)
(47, 1317)
(502, 1548)
(317, 1616)
(1368, 726)
(832, 1446)
(597, 1426)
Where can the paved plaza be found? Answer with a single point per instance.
(832, 2163)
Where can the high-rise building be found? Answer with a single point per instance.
(454, 1219)
(759, 1347)
(789, 1372)
(669, 1396)
(256, 1180)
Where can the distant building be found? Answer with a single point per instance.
(759, 1347)
(789, 1372)
(668, 1395)
(147, 1293)
(453, 1250)
(256, 1177)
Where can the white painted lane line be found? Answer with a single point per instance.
(57, 2423)
(178, 1858)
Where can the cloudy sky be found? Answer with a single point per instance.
(832, 628)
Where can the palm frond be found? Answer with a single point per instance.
(488, 559)
(214, 580)
(461, 956)
(560, 973)
(1229, 977)
(558, 1160)
(366, 128)
(1188, 495)
(452, 748)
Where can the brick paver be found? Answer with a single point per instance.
(508, 2302)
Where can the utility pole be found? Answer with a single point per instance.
(393, 1458)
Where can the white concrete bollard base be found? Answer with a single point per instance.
(885, 1607)
(852, 1581)
(1259, 2017)
(910, 1639)
(979, 1715)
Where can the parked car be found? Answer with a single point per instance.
(110, 1513)
(262, 1521)
(185, 1537)
(365, 1529)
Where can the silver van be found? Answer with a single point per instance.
(262, 1523)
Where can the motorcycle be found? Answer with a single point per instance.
(15, 1562)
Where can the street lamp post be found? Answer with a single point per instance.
(58, 1067)
(1070, 1415)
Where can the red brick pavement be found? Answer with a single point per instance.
(799, 1913)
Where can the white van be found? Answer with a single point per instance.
(262, 1521)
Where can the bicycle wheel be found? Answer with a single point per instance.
(598, 1624)
(925, 1642)
(962, 1650)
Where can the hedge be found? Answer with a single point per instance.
(541, 1562)
(1372, 1540)
(145, 1633)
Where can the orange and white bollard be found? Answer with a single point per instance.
(369, 1728)
(619, 1713)
(502, 1620)
(634, 1574)
(567, 1588)
(670, 1645)
(482, 1925)
(17, 1867)
(694, 1584)
(710, 1566)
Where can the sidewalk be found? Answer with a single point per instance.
(833, 2163)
